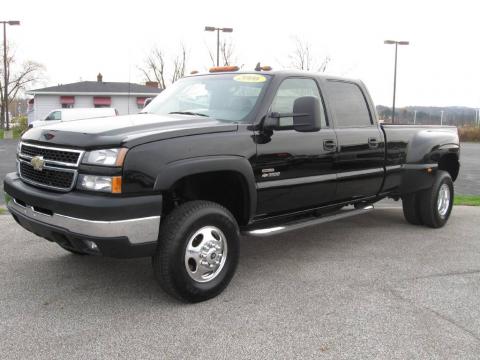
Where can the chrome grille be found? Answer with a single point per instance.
(52, 155)
(62, 156)
(59, 169)
(49, 177)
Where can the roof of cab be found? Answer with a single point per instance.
(282, 72)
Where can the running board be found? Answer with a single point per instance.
(302, 224)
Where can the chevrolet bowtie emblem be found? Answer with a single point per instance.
(38, 163)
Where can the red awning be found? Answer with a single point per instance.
(67, 100)
(141, 100)
(102, 100)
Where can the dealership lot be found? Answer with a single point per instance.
(369, 286)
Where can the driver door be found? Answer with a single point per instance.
(295, 170)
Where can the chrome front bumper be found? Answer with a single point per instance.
(138, 230)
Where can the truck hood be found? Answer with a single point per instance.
(128, 130)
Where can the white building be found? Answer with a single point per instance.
(127, 98)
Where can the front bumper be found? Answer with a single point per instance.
(117, 226)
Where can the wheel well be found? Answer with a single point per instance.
(449, 163)
(227, 188)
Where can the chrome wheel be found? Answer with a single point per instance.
(206, 254)
(443, 200)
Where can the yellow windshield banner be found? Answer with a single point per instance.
(251, 78)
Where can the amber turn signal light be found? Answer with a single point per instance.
(116, 185)
(223, 68)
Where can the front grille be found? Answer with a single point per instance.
(50, 154)
(59, 179)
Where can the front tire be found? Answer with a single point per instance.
(436, 202)
(198, 251)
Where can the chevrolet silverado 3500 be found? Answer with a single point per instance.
(222, 154)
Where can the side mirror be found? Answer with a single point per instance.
(306, 114)
(147, 101)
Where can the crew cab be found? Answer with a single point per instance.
(218, 155)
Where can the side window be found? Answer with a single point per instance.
(55, 115)
(289, 91)
(348, 104)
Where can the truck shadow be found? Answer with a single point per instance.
(132, 279)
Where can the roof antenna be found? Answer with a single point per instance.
(258, 67)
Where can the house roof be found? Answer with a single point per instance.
(96, 87)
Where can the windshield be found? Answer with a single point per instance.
(229, 97)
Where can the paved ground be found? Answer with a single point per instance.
(8, 149)
(468, 182)
(368, 287)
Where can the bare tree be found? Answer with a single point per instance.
(179, 64)
(302, 58)
(157, 68)
(154, 67)
(19, 78)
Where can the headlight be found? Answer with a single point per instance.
(107, 157)
(109, 184)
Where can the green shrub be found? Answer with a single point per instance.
(21, 125)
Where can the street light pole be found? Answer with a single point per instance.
(396, 43)
(5, 84)
(218, 47)
(213, 28)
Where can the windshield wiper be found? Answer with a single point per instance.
(188, 113)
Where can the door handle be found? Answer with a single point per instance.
(373, 142)
(329, 145)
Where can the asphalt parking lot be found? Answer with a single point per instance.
(371, 286)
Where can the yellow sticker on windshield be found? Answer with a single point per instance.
(252, 78)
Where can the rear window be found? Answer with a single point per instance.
(348, 104)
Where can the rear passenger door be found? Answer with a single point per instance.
(360, 158)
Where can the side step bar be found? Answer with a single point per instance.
(302, 224)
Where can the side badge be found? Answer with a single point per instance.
(270, 173)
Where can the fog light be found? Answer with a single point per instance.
(91, 245)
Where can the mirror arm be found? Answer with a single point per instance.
(277, 115)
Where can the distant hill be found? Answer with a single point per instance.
(429, 115)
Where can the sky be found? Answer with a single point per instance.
(75, 40)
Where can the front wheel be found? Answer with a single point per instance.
(198, 251)
(435, 203)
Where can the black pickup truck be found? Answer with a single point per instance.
(221, 154)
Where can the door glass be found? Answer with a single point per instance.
(288, 92)
(56, 115)
(348, 104)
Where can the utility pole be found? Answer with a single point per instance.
(5, 70)
(414, 117)
(441, 118)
